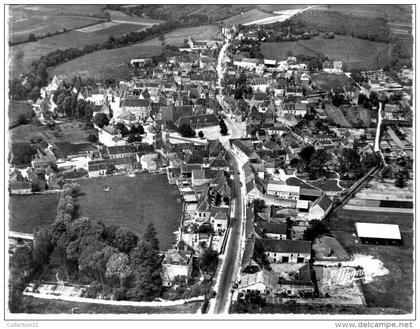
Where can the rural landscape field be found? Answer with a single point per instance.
(353, 52)
(25, 20)
(92, 65)
(132, 203)
(210, 161)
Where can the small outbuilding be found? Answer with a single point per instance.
(373, 233)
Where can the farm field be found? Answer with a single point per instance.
(132, 203)
(117, 61)
(28, 213)
(204, 32)
(371, 28)
(21, 56)
(353, 52)
(92, 65)
(394, 289)
(249, 16)
(278, 7)
(33, 305)
(122, 17)
(392, 12)
(43, 19)
(19, 107)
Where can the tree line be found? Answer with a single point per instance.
(28, 86)
(114, 262)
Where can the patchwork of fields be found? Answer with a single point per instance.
(22, 55)
(249, 16)
(40, 20)
(353, 52)
(105, 63)
(392, 12)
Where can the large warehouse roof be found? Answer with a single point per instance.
(378, 231)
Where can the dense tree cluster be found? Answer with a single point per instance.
(314, 230)
(69, 105)
(401, 54)
(208, 261)
(100, 119)
(134, 134)
(223, 128)
(185, 130)
(21, 153)
(113, 261)
(313, 62)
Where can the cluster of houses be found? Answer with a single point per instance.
(182, 90)
(202, 175)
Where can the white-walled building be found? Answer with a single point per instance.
(109, 136)
(320, 208)
(283, 191)
(286, 251)
(177, 264)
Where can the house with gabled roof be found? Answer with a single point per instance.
(203, 211)
(264, 281)
(139, 107)
(267, 230)
(243, 149)
(320, 208)
(286, 251)
(254, 191)
(219, 164)
(198, 121)
(297, 282)
(220, 218)
(110, 136)
(176, 264)
(283, 191)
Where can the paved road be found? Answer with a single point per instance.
(230, 265)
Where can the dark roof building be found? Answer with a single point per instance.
(198, 121)
(135, 102)
(286, 246)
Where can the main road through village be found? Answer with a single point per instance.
(230, 265)
(232, 256)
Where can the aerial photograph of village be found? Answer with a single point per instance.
(209, 160)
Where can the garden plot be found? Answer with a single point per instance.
(335, 115)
